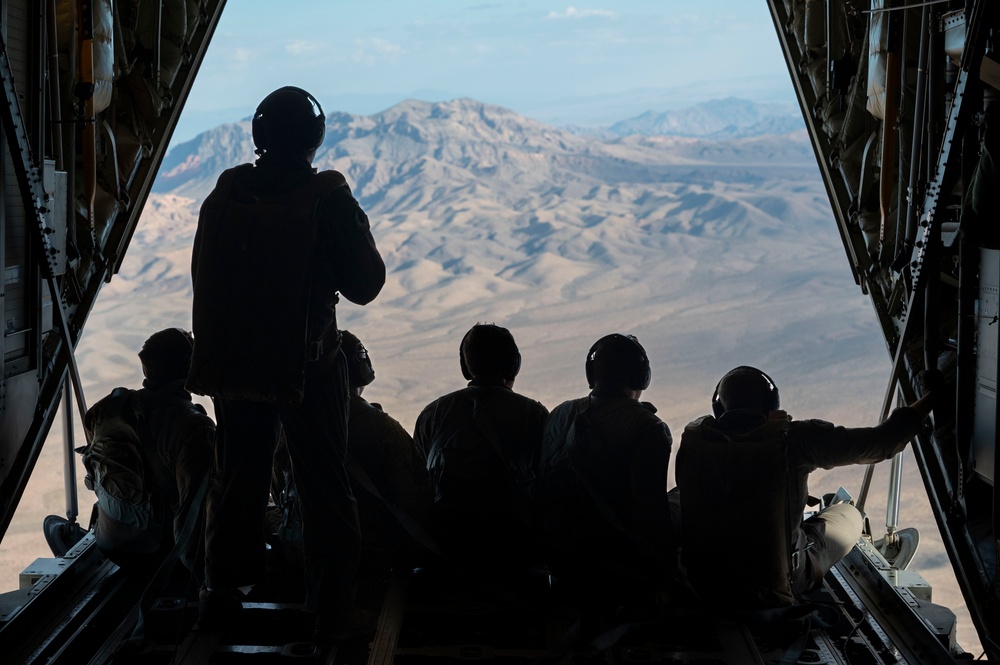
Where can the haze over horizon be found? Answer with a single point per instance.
(585, 63)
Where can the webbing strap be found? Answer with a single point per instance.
(158, 580)
(605, 509)
(410, 525)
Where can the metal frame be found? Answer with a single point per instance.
(942, 475)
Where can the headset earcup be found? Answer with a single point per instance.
(645, 377)
(645, 373)
(717, 408)
(588, 367)
(318, 133)
(516, 366)
(258, 132)
(461, 356)
(774, 399)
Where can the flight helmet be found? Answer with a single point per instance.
(745, 387)
(359, 365)
(618, 360)
(288, 120)
(488, 350)
(166, 355)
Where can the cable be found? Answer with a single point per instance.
(896, 9)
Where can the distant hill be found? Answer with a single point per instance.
(717, 119)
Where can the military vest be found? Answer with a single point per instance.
(251, 299)
(736, 508)
(122, 473)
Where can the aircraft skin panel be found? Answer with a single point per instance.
(896, 97)
(836, 188)
(73, 185)
(985, 431)
(19, 390)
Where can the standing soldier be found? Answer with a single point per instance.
(276, 242)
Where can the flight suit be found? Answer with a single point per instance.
(604, 511)
(743, 480)
(275, 244)
(481, 444)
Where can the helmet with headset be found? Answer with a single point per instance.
(359, 364)
(618, 359)
(488, 350)
(745, 387)
(289, 120)
(166, 355)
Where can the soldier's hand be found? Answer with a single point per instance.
(932, 383)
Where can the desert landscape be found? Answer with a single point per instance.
(716, 248)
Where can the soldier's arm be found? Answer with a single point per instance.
(406, 471)
(360, 270)
(825, 445)
(649, 482)
(422, 434)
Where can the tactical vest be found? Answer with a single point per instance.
(122, 475)
(585, 533)
(251, 299)
(736, 511)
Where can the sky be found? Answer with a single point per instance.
(582, 63)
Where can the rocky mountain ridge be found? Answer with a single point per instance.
(716, 119)
(483, 214)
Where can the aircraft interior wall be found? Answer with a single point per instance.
(899, 101)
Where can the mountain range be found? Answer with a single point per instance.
(715, 119)
(484, 214)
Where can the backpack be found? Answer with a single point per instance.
(742, 481)
(128, 521)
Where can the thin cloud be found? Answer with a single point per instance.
(303, 47)
(380, 46)
(370, 51)
(242, 54)
(574, 13)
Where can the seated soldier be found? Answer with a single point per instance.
(742, 475)
(149, 459)
(387, 472)
(481, 444)
(604, 512)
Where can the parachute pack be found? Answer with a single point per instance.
(127, 522)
